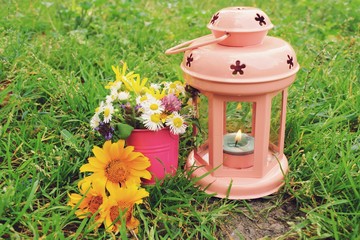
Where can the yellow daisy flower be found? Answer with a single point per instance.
(115, 164)
(120, 75)
(156, 93)
(89, 202)
(120, 204)
(136, 85)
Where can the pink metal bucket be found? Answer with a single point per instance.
(162, 149)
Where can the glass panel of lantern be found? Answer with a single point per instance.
(277, 127)
(238, 141)
(202, 129)
(239, 117)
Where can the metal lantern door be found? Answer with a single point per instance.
(240, 67)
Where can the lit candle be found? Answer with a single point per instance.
(238, 143)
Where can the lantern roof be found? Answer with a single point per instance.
(272, 60)
(238, 50)
(240, 19)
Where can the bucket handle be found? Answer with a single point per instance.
(182, 47)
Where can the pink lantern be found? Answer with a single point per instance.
(243, 76)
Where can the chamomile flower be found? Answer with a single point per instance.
(108, 111)
(123, 95)
(95, 121)
(152, 106)
(143, 98)
(110, 98)
(116, 86)
(100, 109)
(152, 122)
(176, 88)
(176, 123)
(155, 86)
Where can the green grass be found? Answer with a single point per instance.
(55, 57)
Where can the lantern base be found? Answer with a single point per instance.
(238, 187)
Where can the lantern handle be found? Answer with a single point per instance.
(182, 47)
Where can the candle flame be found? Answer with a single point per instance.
(238, 136)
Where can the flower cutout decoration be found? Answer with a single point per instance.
(290, 61)
(189, 59)
(260, 19)
(238, 68)
(214, 18)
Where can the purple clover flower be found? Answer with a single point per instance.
(137, 107)
(126, 106)
(171, 103)
(106, 130)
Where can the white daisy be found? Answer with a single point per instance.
(155, 86)
(143, 98)
(115, 86)
(152, 121)
(176, 123)
(108, 111)
(152, 106)
(109, 99)
(100, 109)
(123, 95)
(176, 88)
(113, 95)
(95, 121)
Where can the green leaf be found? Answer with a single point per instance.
(123, 130)
(70, 139)
(85, 5)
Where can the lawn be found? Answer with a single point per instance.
(56, 56)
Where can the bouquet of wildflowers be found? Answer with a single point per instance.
(111, 186)
(132, 103)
